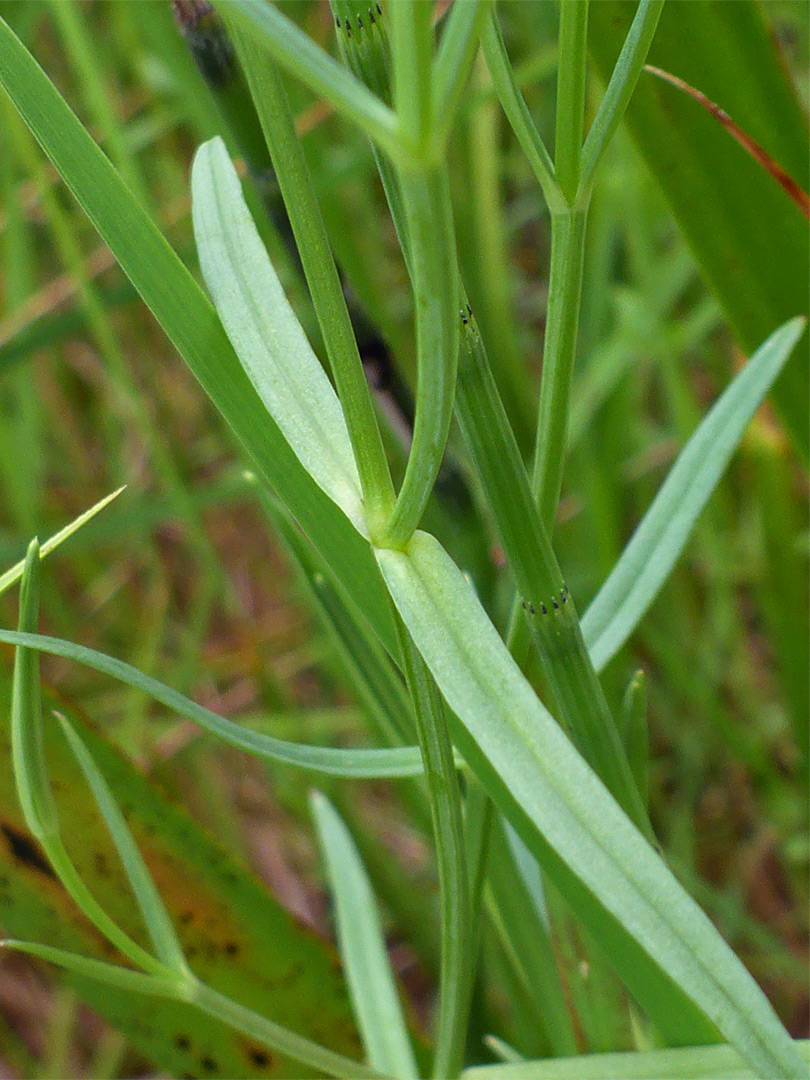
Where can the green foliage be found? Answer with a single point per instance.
(556, 811)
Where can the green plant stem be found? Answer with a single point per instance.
(620, 89)
(457, 49)
(279, 1038)
(455, 981)
(559, 350)
(571, 72)
(514, 105)
(432, 260)
(297, 53)
(548, 611)
(412, 54)
(367, 53)
(322, 277)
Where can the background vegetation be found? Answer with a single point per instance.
(185, 577)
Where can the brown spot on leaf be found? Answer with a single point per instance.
(24, 849)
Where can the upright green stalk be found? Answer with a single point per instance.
(571, 72)
(559, 352)
(412, 52)
(425, 196)
(546, 608)
(429, 225)
(322, 277)
(455, 980)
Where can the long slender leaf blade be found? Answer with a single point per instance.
(265, 333)
(107, 974)
(658, 541)
(558, 805)
(756, 253)
(155, 915)
(191, 323)
(375, 763)
(362, 946)
(28, 755)
(682, 1063)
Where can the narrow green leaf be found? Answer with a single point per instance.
(28, 755)
(362, 947)
(14, 573)
(271, 1034)
(191, 323)
(265, 333)
(109, 974)
(620, 89)
(216, 1005)
(457, 49)
(560, 808)
(654, 548)
(33, 784)
(361, 763)
(154, 912)
(517, 112)
(318, 263)
(684, 1063)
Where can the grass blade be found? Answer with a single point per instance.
(359, 764)
(241, 939)
(362, 947)
(620, 89)
(562, 811)
(154, 912)
(109, 974)
(28, 754)
(297, 53)
(31, 773)
(658, 541)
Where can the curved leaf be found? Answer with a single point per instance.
(265, 333)
(362, 763)
(362, 946)
(647, 560)
(556, 802)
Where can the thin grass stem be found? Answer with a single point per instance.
(432, 260)
(559, 352)
(517, 112)
(619, 91)
(321, 273)
(457, 49)
(297, 53)
(455, 982)
(571, 73)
